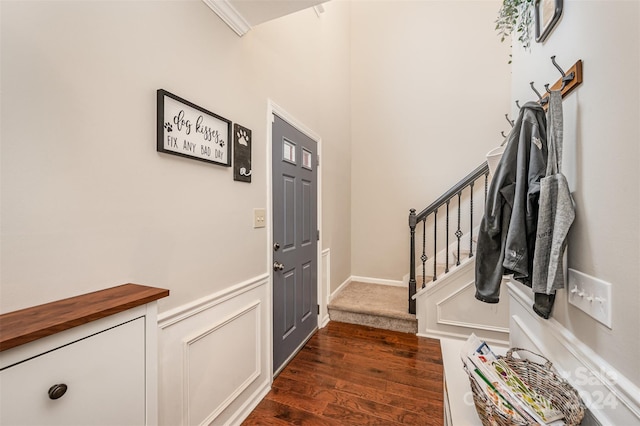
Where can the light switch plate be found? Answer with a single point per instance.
(259, 218)
(591, 295)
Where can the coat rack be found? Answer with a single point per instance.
(566, 84)
(569, 81)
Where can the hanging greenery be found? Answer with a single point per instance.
(516, 15)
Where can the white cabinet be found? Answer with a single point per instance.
(74, 369)
(105, 378)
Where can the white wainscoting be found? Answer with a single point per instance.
(449, 309)
(612, 399)
(215, 356)
(323, 290)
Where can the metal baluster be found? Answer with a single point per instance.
(446, 239)
(459, 231)
(471, 221)
(412, 261)
(435, 243)
(424, 253)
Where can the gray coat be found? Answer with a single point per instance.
(507, 236)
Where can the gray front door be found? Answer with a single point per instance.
(295, 286)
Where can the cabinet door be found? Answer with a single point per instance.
(104, 375)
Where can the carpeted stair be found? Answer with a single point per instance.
(375, 305)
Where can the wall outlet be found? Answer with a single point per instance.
(259, 218)
(591, 295)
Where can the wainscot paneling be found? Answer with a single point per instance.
(323, 294)
(448, 309)
(215, 356)
(611, 398)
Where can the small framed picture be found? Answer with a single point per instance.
(241, 153)
(547, 13)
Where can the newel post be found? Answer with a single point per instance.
(412, 261)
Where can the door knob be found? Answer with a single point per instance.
(277, 266)
(276, 247)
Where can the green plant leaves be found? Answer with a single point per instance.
(516, 15)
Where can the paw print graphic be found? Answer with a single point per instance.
(221, 143)
(243, 137)
(168, 126)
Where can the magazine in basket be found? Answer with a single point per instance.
(510, 394)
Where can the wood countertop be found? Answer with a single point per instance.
(26, 325)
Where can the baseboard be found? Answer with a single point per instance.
(440, 335)
(368, 280)
(250, 404)
(382, 281)
(339, 289)
(611, 398)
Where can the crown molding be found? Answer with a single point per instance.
(229, 15)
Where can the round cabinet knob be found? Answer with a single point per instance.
(57, 391)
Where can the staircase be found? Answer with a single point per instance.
(438, 300)
(385, 306)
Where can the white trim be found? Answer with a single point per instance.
(195, 337)
(323, 319)
(441, 320)
(174, 316)
(151, 363)
(249, 405)
(381, 281)
(339, 289)
(229, 15)
(366, 280)
(443, 278)
(193, 319)
(435, 334)
(273, 108)
(570, 357)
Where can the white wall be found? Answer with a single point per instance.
(430, 87)
(88, 203)
(601, 161)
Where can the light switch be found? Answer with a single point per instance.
(259, 218)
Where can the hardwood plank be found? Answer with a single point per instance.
(27, 325)
(273, 413)
(349, 374)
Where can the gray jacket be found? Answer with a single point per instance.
(507, 236)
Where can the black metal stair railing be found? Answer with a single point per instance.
(444, 200)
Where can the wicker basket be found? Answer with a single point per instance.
(543, 380)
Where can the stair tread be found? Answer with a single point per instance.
(373, 299)
(374, 305)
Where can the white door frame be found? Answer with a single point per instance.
(273, 108)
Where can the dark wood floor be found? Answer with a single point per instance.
(355, 375)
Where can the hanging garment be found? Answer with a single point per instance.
(506, 239)
(555, 216)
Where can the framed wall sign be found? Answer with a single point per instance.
(188, 130)
(241, 153)
(547, 14)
